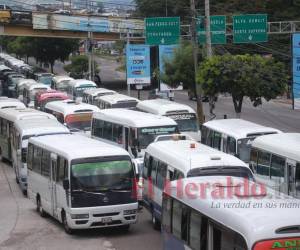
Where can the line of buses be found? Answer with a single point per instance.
(149, 152)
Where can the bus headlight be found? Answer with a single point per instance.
(79, 216)
(129, 212)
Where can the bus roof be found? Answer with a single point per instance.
(68, 107)
(59, 79)
(77, 83)
(239, 128)
(181, 154)
(117, 98)
(6, 102)
(133, 118)
(3, 67)
(37, 127)
(14, 114)
(97, 91)
(52, 94)
(38, 86)
(254, 224)
(26, 82)
(77, 146)
(285, 144)
(163, 107)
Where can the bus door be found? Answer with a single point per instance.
(291, 177)
(53, 188)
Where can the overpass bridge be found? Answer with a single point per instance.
(39, 24)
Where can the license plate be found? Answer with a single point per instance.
(106, 220)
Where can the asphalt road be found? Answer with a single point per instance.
(22, 228)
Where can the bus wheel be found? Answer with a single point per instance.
(68, 230)
(39, 207)
(155, 221)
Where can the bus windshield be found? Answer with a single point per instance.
(186, 122)
(47, 80)
(79, 121)
(104, 176)
(80, 90)
(148, 135)
(244, 148)
(63, 86)
(127, 105)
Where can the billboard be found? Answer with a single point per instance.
(138, 64)
(85, 23)
(296, 70)
(166, 52)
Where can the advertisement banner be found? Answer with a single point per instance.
(166, 52)
(138, 64)
(296, 70)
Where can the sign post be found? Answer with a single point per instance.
(217, 27)
(296, 71)
(138, 64)
(250, 28)
(162, 30)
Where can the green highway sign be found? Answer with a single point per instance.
(162, 30)
(250, 28)
(217, 27)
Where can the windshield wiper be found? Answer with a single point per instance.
(88, 192)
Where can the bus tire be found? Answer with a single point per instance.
(155, 222)
(67, 229)
(39, 207)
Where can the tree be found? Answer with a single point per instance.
(22, 47)
(243, 76)
(79, 66)
(181, 68)
(48, 50)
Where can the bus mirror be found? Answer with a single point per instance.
(66, 184)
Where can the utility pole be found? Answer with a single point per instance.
(127, 43)
(166, 8)
(198, 87)
(208, 33)
(89, 45)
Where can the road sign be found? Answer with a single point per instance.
(162, 30)
(250, 28)
(138, 64)
(217, 27)
(296, 70)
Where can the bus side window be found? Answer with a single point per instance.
(263, 164)
(210, 136)
(204, 132)
(45, 163)
(29, 156)
(297, 180)
(231, 145)
(146, 166)
(117, 133)
(37, 155)
(161, 175)
(277, 167)
(154, 169)
(217, 140)
(62, 169)
(107, 131)
(253, 159)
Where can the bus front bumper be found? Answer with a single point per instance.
(98, 217)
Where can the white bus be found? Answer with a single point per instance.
(76, 116)
(90, 95)
(7, 119)
(183, 158)
(21, 85)
(6, 102)
(29, 93)
(61, 83)
(23, 130)
(275, 160)
(81, 182)
(76, 88)
(241, 221)
(184, 115)
(116, 101)
(233, 136)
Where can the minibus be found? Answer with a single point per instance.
(6, 102)
(23, 130)
(7, 118)
(11, 84)
(116, 101)
(90, 95)
(76, 116)
(77, 87)
(183, 158)
(21, 85)
(184, 115)
(30, 91)
(239, 220)
(61, 83)
(275, 160)
(42, 98)
(81, 182)
(44, 78)
(233, 136)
